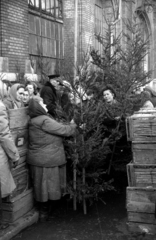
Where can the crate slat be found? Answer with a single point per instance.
(140, 228)
(141, 217)
(141, 175)
(19, 203)
(15, 210)
(141, 126)
(144, 153)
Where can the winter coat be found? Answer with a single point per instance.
(8, 152)
(46, 138)
(49, 95)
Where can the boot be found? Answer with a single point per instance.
(43, 212)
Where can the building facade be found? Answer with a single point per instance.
(57, 33)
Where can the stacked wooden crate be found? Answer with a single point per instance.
(141, 192)
(21, 200)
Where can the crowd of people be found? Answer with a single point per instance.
(46, 155)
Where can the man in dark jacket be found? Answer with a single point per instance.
(49, 94)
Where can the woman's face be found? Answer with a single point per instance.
(30, 89)
(108, 96)
(43, 105)
(19, 94)
(25, 97)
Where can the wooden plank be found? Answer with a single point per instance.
(19, 169)
(18, 118)
(12, 216)
(22, 159)
(141, 217)
(141, 175)
(144, 153)
(141, 194)
(17, 205)
(134, 206)
(130, 175)
(17, 198)
(135, 227)
(142, 126)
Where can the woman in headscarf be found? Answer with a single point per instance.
(8, 152)
(46, 154)
(146, 100)
(152, 93)
(14, 100)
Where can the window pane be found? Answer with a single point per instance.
(37, 3)
(56, 8)
(48, 29)
(43, 5)
(31, 23)
(57, 31)
(52, 6)
(53, 48)
(38, 26)
(61, 32)
(32, 44)
(52, 30)
(49, 48)
(31, 2)
(59, 7)
(57, 49)
(44, 46)
(43, 27)
(39, 48)
(47, 5)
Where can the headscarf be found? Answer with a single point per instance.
(13, 96)
(35, 109)
(150, 90)
(152, 93)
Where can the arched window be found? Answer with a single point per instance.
(144, 25)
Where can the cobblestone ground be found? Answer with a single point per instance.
(102, 222)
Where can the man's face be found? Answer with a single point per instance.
(55, 83)
(26, 97)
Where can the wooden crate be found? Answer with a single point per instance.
(18, 118)
(141, 209)
(144, 152)
(141, 175)
(16, 171)
(18, 207)
(22, 183)
(141, 126)
(22, 159)
(20, 137)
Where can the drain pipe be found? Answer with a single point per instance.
(75, 38)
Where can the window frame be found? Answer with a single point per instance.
(39, 8)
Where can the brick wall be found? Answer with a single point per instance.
(14, 32)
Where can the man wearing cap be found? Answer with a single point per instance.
(49, 94)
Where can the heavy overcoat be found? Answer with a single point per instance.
(49, 95)
(46, 138)
(8, 152)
